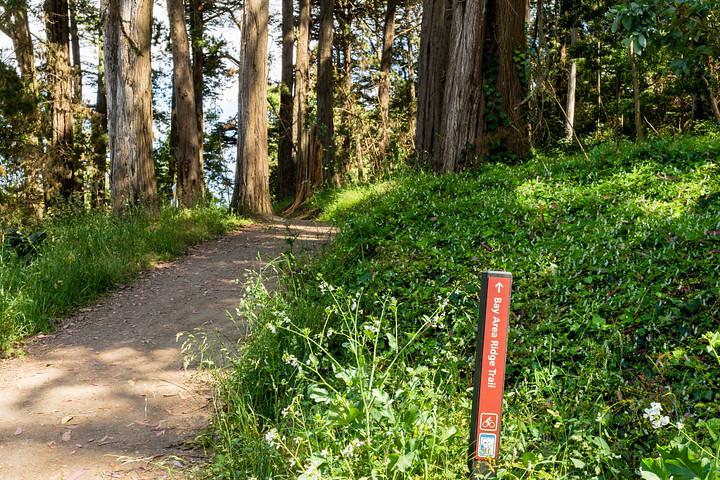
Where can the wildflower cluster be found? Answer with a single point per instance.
(654, 414)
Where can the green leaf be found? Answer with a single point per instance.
(392, 342)
(627, 22)
(401, 463)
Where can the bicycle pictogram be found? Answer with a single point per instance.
(488, 421)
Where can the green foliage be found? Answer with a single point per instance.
(361, 366)
(86, 254)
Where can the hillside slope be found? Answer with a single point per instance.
(363, 367)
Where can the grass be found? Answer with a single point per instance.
(88, 254)
(361, 365)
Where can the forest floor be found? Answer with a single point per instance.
(107, 396)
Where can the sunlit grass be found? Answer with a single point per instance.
(87, 254)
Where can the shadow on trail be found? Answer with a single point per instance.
(110, 386)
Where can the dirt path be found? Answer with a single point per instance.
(106, 396)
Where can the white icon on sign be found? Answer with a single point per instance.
(486, 445)
(488, 421)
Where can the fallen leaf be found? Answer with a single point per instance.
(18, 431)
(66, 419)
(66, 435)
(52, 444)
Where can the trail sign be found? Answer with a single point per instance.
(490, 353)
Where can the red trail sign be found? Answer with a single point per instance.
(489, 379)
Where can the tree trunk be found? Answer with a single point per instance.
(303, 174)
(385, 72)
(252, 179)
(99, 135)
(639, 131)
(187, 154)
(713, 98)
(286, 168)
(76, 62)
(344, 45)
(511, 82)
(570, 102)
(462, 121)
(325, 125)
(432, 69)
(62, 170)
(412, 101)
(197, 38)
(16, 26)
(127, 62)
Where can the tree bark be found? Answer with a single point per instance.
(345, 18)
(99, 135)
(412, 101)
(462, 121)
(286, 167)
(570, 102)
(303, 174)
(385, 72)
(16, 26)
(127, 76)
(76, 62)
(713, 99)
(432, 70)
(62, 170)
(325, 125)
(639, 131)
(187, 153)
(197, 38)
(511, 82)
(252, 179)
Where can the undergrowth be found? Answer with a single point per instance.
(86, 254)
(361, 365)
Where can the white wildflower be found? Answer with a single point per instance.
(271, 327)
(654, 414)
(350, 448)
(291, 360)
(271, 437)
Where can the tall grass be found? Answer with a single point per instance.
(90, 253)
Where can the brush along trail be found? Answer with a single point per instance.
(107, 396)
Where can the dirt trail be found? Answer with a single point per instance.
(106, 396)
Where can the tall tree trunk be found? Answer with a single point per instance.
(346, 89)
(76, 62)
(462, 121)
(432, 70)
(286, 167)
(16, 26)
(252, 179)
(412, 101)
(570, 102)
(128, 27)
(197, 39)
(325, 124)
(511, 82)
(187, 154)
(385, 72)
(99, 134)
(639, 131)
(303, 174)
(62, 171)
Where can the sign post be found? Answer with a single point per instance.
(489, 380)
